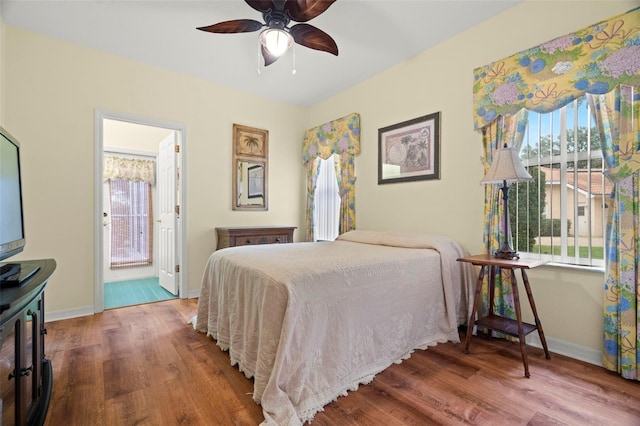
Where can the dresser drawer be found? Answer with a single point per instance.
(246, 236)
(261, 239)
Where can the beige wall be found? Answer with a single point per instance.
(55, 88)
(441, 79)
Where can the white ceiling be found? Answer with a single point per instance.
(372, 35)
(128, 136)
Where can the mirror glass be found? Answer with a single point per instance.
(250, 190)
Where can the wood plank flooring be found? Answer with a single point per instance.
(144, 365)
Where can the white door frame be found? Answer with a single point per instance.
(181, 229)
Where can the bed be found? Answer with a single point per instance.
(311, 321)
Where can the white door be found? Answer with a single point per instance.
(106, 226)
(167, 179)
(583, 223)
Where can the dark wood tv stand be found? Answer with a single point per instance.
(25, 373)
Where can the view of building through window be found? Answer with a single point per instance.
(561, 214)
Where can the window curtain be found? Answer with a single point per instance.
(509, 130)
(129, 169)
(618, 118)
(595, 60)
(544, 78)
(342, 137)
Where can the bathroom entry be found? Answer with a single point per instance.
(139, 213)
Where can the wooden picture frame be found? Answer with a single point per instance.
(410, 151)
(250, 142)
(250, 168)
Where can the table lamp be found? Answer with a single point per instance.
(506, 168)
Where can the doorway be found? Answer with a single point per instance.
(147, 267)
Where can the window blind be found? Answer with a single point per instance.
(131, 224)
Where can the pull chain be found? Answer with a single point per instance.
(258, 68)
(294, 60)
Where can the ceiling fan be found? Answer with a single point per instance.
(278, 36)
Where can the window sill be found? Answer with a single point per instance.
(598, 269)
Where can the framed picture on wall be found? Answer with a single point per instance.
(250, 141)
(410, 150)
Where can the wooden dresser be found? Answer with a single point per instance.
(250, 235)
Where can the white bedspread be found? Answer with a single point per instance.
(310, 321)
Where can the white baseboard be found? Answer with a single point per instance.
(88, 310)
(582, 353)
(69, 313)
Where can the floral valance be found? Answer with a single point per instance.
(335, 137)
(592, 60)
(130, 169)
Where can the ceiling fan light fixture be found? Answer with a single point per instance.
(276, 41)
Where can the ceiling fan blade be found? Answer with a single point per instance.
(235, 26)
(305, 10)
(268, 57)
(313, 38)
(261, 5)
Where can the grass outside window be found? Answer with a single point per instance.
(596, 252)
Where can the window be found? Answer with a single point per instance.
(326, 209)
(131, 224)
(561, 214)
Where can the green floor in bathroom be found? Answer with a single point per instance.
(134, 292)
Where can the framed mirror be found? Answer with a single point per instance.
(250, 189)
(250, 168)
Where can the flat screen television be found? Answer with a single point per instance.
(12, 237)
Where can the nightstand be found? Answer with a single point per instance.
(252, 235)
(517, 328)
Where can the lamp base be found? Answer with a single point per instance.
(506, 254)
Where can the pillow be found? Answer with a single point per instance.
(395, 238)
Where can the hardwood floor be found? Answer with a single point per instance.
(144, 365)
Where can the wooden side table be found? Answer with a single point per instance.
(516, 327)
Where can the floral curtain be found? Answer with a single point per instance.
(593, 60)
(129, 169)
(505, 130)
(342, 137)
(597, 60)
(618, 117)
